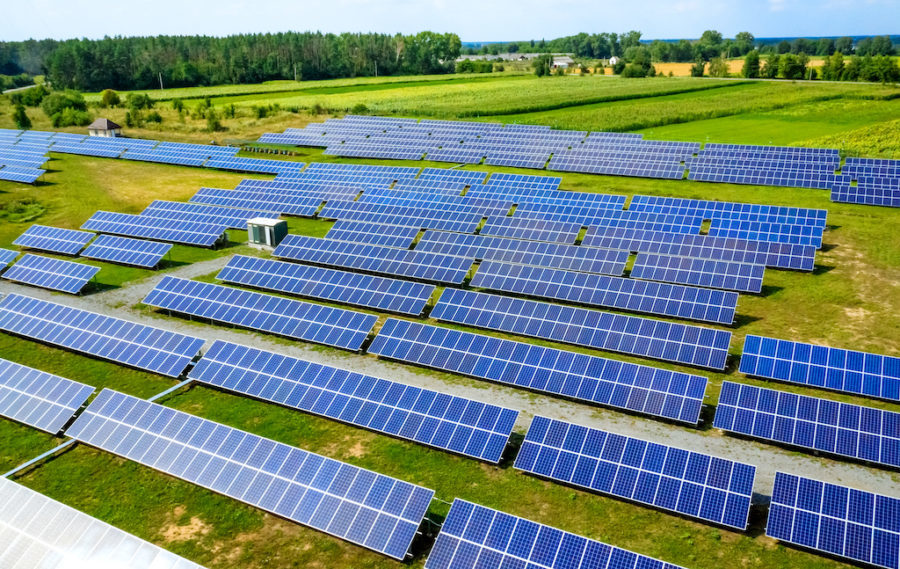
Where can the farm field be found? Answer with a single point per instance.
(852, 300)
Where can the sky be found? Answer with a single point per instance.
(473, 21)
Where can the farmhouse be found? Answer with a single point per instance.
(105, 128)
(563, 62)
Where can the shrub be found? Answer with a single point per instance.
(177, 105)
(55, 103)
(718, 67)
(213, 124)
(359, 109)
(138, 101)
(698, 68)
(30, 97)
(109, 98)
(21, 118)
(154, 117)
(71, 117)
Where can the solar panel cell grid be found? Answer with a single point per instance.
(53, 274)
(764, 231)
(177, 231)
(706, 273)
(451, 423)
(360, 506)
(532, 229)
(66, 241)
(377, 234)
(126, 251)
(641, 389)
(39, 399)
(689, 483)
(234, 218)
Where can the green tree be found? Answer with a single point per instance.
(541, 65)
(783, 47)
(744, 41)
(718, 67)
(138, 101)
(844, 45)
(698, 68)
(55, 103)
(213, 124)
(770, 68)
(833, 68)
(21, 118)
(751, 65)
(109, 98)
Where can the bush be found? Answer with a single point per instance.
(318, 109)
(359, 109)
(213, 124)
(30, 97)
(56, 103)
(619, 67)
(177, 105)
(154, 117)
(71, 117)
(138, 101)
(698, 68)
(109, 98)
(21, 118)
(718, 67)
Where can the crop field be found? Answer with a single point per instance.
(851, 300)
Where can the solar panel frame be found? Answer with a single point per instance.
(136, 345)
(360, 506)
(176, 231)
(676, 480)
(54, 239)
(766, 231)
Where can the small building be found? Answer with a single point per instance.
(563, 62)
(264, 232)
(105, 128)
(613, 60)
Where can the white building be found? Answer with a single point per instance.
(104, 127)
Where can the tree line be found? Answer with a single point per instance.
(187, 61)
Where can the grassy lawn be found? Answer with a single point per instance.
(852, 300)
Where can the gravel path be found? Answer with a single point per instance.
(767, 458)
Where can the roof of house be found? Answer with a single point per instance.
(103, 124)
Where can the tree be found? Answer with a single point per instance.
(783, 47)
(718, 67)
(698, 68)
(55, 103)
(709, 45)
(744, 41)
(21, 118)
(833, 68)
(751, 65)
(109, 98)
(825, 46)
(793, 66)
(770, 68)
(844, 45)
(213, 124)
(30, 97)
(138, 101)
(512, 48)
(541, 65)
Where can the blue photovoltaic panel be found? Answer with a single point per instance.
(682, 343)
(849, 371)
(665, 299)
(127, 251)
(433, 200)
(444, 421)
(642, 389)
(263, 312)
(53, 274)
(392, 295)
(374, 259)
(537, 253)
(253, 165)
(764, 231)
(121, 341)
(710, 209)
(189, 233)
(303, 205)
(360, 506)
(524, 181)
(446, 219)
(468, 176)
(836, 520)
(601, 215)
(54, 239)
(192, 212)
(812, 423)
(776, 255)
(532, 229)
(23, 175)
(681, 481)
(708, 273)
(475, 537)
(6, 257)
(374, 233)
(38, 399)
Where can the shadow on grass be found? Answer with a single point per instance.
(48, 460)
(98, 287)
(167, 264)
(741, 320)
(822, 269)
(826, 247)
(769, 290)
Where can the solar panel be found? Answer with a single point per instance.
(445, 219)
(776, 255)
(7, 257)
(765, 177)
(524, 181)
(377, 234)
(642, 389)
(556, 197)
(444, 421)
(53, 274)
(391, 295)
(262, 312)
(681, 343)
(206, 214)
(54, 239)
(708, 273)
(475, 537)
(534, 161)
(834, 519)
(371, 258)
(126, 251)
(121, 341)
(710, 209)
(601, 215)
(848, 371)
(764, 231)
(39, 399)
(360, 506)
(23, 175)
(468, 176)
(811, 423)
(176, 231)
(537, 253)
(36, 531)
(303, 205)
(681, 481)
(253, 165)
(664, 299)
(670, 169)
(532, 229)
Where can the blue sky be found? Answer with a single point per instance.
(483, 20)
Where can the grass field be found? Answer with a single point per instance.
(851, 300)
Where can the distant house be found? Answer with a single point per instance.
(104, 127)
(563, 62)
(613, 60)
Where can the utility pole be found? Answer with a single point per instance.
(161, 88)
(295, 72)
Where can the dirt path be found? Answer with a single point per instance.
(767, 458)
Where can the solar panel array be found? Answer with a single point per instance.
(256, 311)
(437, 419)
(681, 343)
(36, 531)
(532, 229)
(440, 219)
(374, 259)
(474, 537)
(49, 273)
(53, 239)
(812, 423)
(642, 389)
(849, 371)
(707, 273)
(258, 165)
(710, 209)
(392, 295)
(838, 520)
(121, 341)
(765, 231)
(289, 203)
(7, 257)
(360, 506)
(231, 217)
(38, 399)
(648, 297)
(673, 479)
(127, 251)
(163, 229)
(374, 233)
